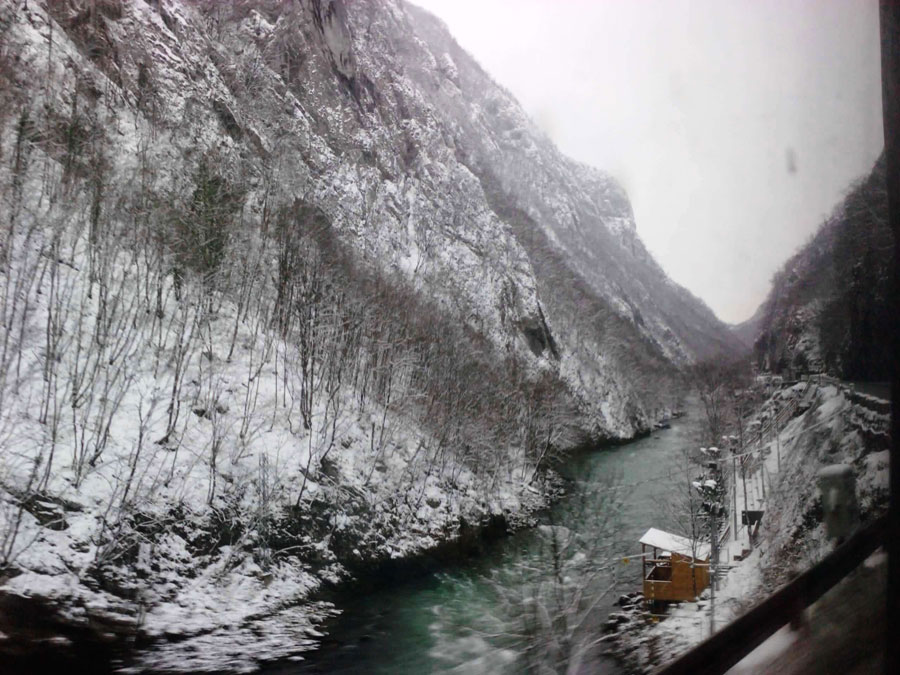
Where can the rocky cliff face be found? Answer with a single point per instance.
(372, 113)
(828, 309)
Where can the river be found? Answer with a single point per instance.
(502, 612)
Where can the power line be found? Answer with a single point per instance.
(669, 474)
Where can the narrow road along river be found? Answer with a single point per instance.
(483, 617)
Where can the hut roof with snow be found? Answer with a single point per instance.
(676, 570)
(666, 541)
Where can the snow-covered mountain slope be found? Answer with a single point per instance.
(829, 307)
(747, 331)
(289, 288)
(373, 114)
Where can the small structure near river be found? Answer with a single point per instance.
(675, 569)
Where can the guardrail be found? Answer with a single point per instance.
(736, 640)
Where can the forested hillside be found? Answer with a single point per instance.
(828, 309)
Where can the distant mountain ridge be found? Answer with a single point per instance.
(828, 307)
(747, 331)
(583, 211)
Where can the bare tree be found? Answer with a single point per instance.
(549, 601)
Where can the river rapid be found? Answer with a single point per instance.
(536, 598)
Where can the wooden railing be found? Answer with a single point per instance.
(731, 644)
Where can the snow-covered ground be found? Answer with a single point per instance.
(169, 470)
(215, 529)
(792, 536)
(842, 632)
(208, 533)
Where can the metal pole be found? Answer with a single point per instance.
(778, 444)
(762, 473)
(734, 492)
(746, 508)
(714, 551)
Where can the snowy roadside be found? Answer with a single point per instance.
(792, 538)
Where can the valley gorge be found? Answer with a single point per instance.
(298, 304)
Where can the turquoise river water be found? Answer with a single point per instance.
(535, 598)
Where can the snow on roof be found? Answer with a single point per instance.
(836, 471)
(672, 542)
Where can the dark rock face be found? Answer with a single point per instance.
(828, 307)
(65, 645)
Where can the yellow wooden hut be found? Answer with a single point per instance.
(675, 568)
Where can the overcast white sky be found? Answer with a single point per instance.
(700, 108)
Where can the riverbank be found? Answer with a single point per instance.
(837, 428)
(473, 616)
(55, 631)
(44, 625)
(189, 590)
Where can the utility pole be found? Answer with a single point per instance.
(762, 473)
(744, 480)
(778, 445)
(713, 560)
(734, 492)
